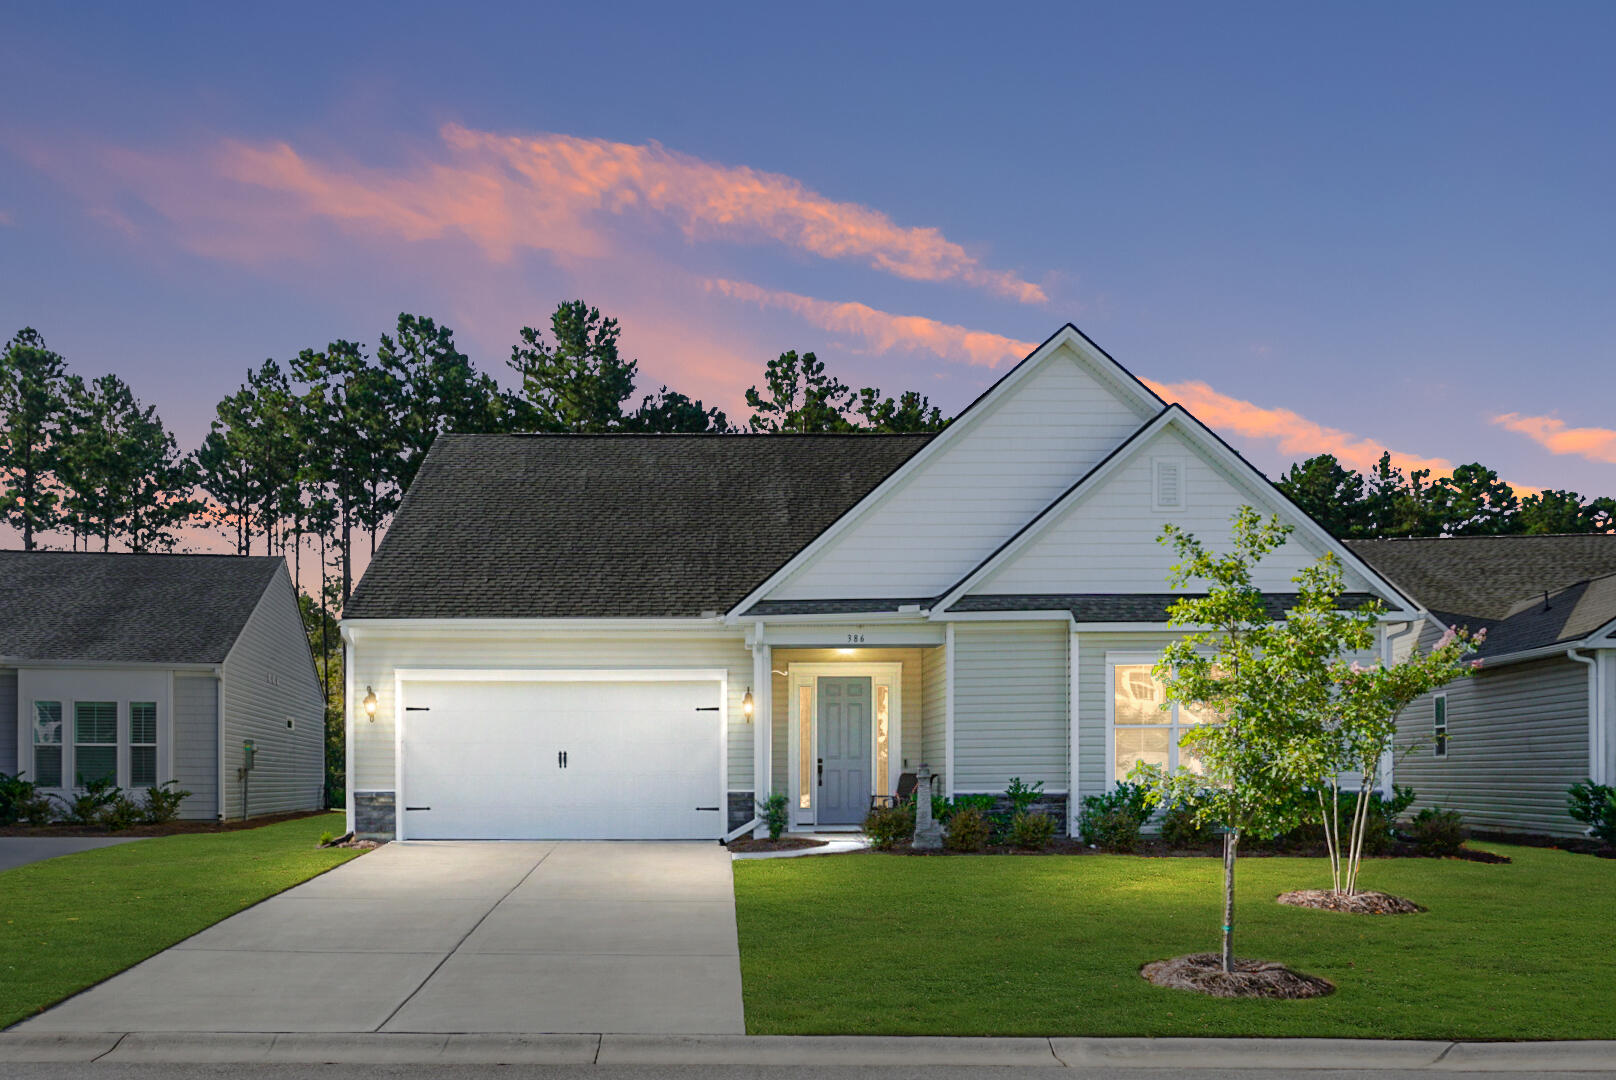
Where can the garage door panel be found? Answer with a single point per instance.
(641, 758)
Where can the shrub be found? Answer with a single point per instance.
(889, 826)
(1595, 806)
(1182, 828)
(1018, 799)
(163, 803)
(1112, 821)
(773, 812)
(1436, 832)
(89, 806)
(967, 829)
(21, 801)
(327, 838)
(1032, 832)
(120, 812)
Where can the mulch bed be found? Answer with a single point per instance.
(1155, 849)
(1581, 845)
(170, 829)
(1361, 903)
(1203, 973)
(785, 843)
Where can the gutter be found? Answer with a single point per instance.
(1596, 729)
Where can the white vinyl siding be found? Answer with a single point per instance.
(376, 657)
(269, 679)
(1010, 687)
(1106, 540)
(8, 721)
(933, 711)
(1018, 454)
(196, 744)
(910, 733)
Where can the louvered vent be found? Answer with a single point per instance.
(1169, 493)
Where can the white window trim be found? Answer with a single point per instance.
(119, 744)
(1114, 660)
(61, 743)
(1442, 754)
(128, 751)
(798, 675)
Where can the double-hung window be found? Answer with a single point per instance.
(47, 744)
(142, 743)
(1144, 731)
(95, 741)
(1439, 726)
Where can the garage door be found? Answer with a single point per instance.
(587, 760)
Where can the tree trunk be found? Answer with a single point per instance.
(1231, 841)
(325, 650)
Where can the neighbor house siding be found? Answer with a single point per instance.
(269, 679)
(196, 744)
(1016, 456)
(1010, 687)
(1517, 739)
(8, 720)
(933, 708)
(376, 656)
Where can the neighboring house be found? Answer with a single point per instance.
(1503, 745)
(141, 669)
(635, 636)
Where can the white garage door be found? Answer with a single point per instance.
(586, 760)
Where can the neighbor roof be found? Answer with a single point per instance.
(1500, 582)
(555, 526)
(97, 607)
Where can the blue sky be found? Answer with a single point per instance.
(1359, 226)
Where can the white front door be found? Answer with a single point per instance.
(587, 760)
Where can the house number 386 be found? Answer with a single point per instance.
(855, 639)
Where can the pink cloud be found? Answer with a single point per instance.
(883, 331)
(1595, 444)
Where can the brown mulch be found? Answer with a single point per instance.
(1362, 903)
(348, 841)
(1203, 973)
(1580, 845)
(1155, 849)
(170, 829)
(785, 843)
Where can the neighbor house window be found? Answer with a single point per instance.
(142, 743)
(1143, 731)
(95, 741)
(1439, 726)
(48, 744)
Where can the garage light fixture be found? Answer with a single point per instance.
(370, 703)
(746, 704)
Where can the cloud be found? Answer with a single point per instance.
(6, 219)
(883, 331)
(1595, 444)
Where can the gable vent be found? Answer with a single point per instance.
(1168, 487)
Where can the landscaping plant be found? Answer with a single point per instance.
(163, 802)
(21, 801)
(889, 826)
(1183, 826)
(90, 804)
(1595, 806)
(967, 829)
(1436, 832)
(1032, 831)
(1111, 822)
(773, 812)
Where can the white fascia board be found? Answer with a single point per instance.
(106, 665)
(845, 617)
(353, 629)
(1100, 363)
(854, 636)
(1046, 615)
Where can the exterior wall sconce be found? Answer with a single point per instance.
(746, 705)
(370, 703)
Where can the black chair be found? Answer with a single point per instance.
(907, 782)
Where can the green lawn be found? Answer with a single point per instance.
(1006, 945)
(68, 923)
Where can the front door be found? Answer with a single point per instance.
(844, 750)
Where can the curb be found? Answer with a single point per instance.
(371, 1048)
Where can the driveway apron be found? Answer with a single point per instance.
(505, 937)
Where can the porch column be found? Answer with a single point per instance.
(1073, 739)
(948, 711)
(762, 723)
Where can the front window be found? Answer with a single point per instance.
(48, 744)
(1143, 731)
(95, 741)
(142, 743)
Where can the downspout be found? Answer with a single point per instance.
(1596, 729)
(218, 734)
(1388, 782)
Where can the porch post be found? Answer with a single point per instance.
(948, 711)
(762, 723)
(1073, 737)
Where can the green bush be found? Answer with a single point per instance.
(1111, 822)
(90, 805)
(163, 803)
(773, 812)
(967, 829)
(120, 812)
(327, 838)
(21, 801)
(1032, 832)
(1595, 806)
(1436, 832)
(889, 826)
(1181, 826)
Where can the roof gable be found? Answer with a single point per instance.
(1021, 443)
(1101, 536)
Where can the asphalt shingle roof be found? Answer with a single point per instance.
(1499, 583)
(100, 607)
(554, 526)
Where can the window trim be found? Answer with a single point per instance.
(153, 744)
(1114, 660)
(118, 742)
(1439, 727)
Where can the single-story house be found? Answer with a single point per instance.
(142, 669)
(1502, 746)
(626, 636)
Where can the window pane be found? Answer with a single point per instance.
(48, 766)
(142, 766)
(1150, 745)
(1440, 705)
(95, 722)
(142, 722)
(1139, 698)
(47, 723)
(96, 763)
(882, 704)
(1190, 715)
(805, 746)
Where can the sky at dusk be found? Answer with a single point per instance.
(1319, 228)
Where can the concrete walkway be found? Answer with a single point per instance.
(22, 850)
(454, 937)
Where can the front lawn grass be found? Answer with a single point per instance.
(1006, 945)
(68, 923)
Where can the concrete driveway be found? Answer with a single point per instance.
(22, 850)
(455, 937)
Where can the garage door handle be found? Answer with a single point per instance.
(417, 808)
(706, 708)
(714, 809)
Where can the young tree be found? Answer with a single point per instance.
(32, 400)
(908, 413)
(799, 398)
(579, 383)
